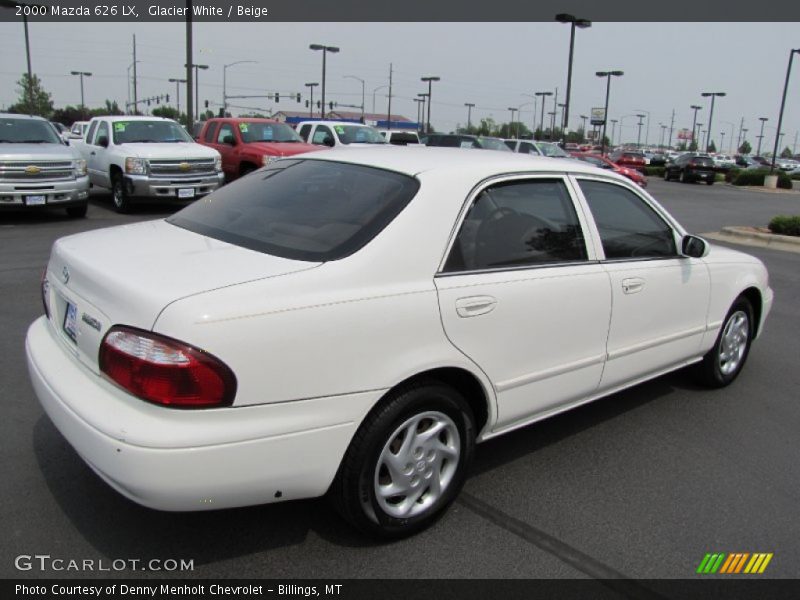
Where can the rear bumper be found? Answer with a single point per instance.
(56, 193)
(191, 460)
(143, 186)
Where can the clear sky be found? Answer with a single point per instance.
(666, 65)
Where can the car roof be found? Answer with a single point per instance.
(332, 123)
(483, 163)
(242, 119)
(4, 115)
(128, 118)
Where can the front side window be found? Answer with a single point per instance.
(225, 132)
(256, 131)
(90, 134)
(311, 210)
(629, 227)
(322, 136)
(102, 130)
(518, 223)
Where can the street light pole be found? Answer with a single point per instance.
(81, 74)
(362, 92)
(225, 83)
(574, 22)
(608, 75)
(639, 136)
(613, 130)
(695, 108)
(424, 97)
(511, 124)
(533, 114)
(311, 87)
(469, 106)
(196, 68)
(711, 113)
(430, 79)
(783, 105)
(380, 87)
(177, 83)
(325, 50)
(541, 122)
(761, 135)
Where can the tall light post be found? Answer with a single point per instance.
(362, 93)
(225, 82)
(783, 105)
(196, 68)
(420, 104)
(311, 87)
(713, 96)
(695, 108)
(325, 50)
(613, 130)
(469, 106)
(639, 135)
(511, 124)
(582, 24)
(424, 97)
(430, 79)
(721, 141)
(177, 83)
(81, 74)
(583, 128)
(730, 139)
(543, 96)
(647, 126)
(608, 75)
(533, 114)
(761, 135)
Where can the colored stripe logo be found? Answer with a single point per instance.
(734, 563)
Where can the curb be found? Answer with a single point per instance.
(758, 188)
(747, 236)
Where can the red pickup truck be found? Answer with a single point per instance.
(248, 144)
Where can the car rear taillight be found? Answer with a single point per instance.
(165, 371)
(45, 293)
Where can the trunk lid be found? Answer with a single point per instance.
(127, 275)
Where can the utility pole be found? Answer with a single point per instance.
(671, 126)
(695, 108)
(739, 137)
(470, 106)
(189, 62)
(389, 108)
(311, 87)
(135, 94)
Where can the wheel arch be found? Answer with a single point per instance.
(753, 295)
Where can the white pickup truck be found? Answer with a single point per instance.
(148, 158)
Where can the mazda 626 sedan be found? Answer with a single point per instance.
(354, 321)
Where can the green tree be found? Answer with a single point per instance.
(682, 147)
(487, 127)
(167, 112)
(745, 148)
(712, 147)
(33, 99)
(786, 153)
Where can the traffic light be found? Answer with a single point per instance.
(206, 103)
(167, 100)
(330, 105)
(158, 100)
(306, 103)
(298, 97)
(277, 98)
(319, 104)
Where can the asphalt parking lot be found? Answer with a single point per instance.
(641, 484)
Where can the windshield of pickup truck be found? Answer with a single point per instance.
(27, 131)
(358, 134)
(148, 132)
(252, 132)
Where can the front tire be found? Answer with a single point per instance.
(407, 461)
(683, 178)
(723, 363)
(122, 202)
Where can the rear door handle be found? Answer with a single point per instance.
(472, 306)
(92, 153)
(632, 285)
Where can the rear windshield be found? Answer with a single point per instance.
(492, 144)
(310, 210)
(553, 150)
(403, 139)
(253, 131)
(703, 161)
(27, 131)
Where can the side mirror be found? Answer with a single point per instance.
(102, 141)
(694, 247)
(229, 139)
(329, 141)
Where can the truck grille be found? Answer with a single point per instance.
(35, 171)
(177, 168)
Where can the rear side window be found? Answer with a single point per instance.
(629, 228)
(310, 210)
(703, 161)
(516, 224)
(210, 131)
(304, 131)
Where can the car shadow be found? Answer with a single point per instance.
(102, 200)
(116, 526)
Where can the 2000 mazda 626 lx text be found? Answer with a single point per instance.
(354, 321)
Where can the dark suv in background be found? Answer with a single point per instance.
(691, 167)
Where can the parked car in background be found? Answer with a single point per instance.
(633, 159)
(37, 170)
(522, 146)
(400, 137)
(460, 140)
(141, 158)
(62, 130)
(78, 130)
(656, 159)
(353, 322)
(691, 167)
(723, 162)
(338, 133)
(603, 162)
(247, 144)
(552, 150)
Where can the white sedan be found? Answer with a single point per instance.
(354, 321)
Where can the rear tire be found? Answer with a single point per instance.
(666, 174)
(710, 182)
(407, 461)
(683, 178)
(723, 363)
(119, 195)
(77, 212)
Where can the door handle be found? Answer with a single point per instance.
(92, 153)
(473, 306)
(632, 285)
